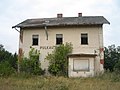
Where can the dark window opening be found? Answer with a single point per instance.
(35, 40)
(84, 39)
(59, 39)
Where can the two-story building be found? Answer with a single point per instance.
(84, 32)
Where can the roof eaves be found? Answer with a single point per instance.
(69, 21)
(82, 55)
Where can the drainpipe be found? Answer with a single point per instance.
(46, 32)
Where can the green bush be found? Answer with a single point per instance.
(58, 59)
(111, 56)
(31, 65)
(6, 69)
(117, 67)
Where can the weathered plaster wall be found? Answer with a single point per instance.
(71, 34)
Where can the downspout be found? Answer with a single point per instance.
(46, 32)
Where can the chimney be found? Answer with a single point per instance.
(79, 14)
(59, 15)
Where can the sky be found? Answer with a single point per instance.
(13, 12)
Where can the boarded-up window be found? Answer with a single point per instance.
(35, 39)
(81, 65)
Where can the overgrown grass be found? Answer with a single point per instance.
(107, 81)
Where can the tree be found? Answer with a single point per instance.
(7, 56)
(1, 47)
(58, 63)
(117, 67)
(112, 56)
(8, 62)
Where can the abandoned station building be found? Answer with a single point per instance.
(84, 32)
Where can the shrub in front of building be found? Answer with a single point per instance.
(6, 69)
(58, 63)
(31, 65)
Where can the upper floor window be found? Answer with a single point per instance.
(84, 38)
(59, 39)
(35, 39)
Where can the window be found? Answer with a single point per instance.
(81, 65)
(59, 39)
(84, 38)
(35, 39)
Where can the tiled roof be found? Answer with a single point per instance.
(64, 21)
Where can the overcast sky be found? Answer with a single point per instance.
(13, 12)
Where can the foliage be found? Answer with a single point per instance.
(6, 69)
(8, 62)
(117, 67)
(7, 56)
(58, 59)
(1, 47)
(112, 56)
(31, 65)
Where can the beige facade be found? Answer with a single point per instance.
(85, 33)
(72, 35)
